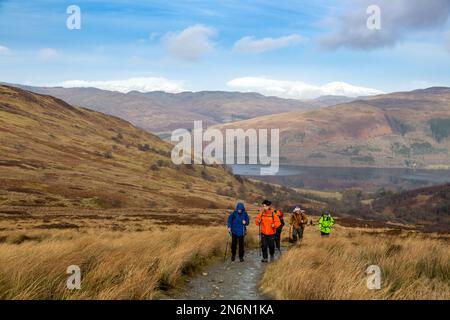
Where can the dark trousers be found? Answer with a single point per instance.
(297, 233)
(267, 242)
(278, 238)
(234, 242)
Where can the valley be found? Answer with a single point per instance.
(83, 188)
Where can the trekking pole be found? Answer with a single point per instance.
(279, 249)
(226, 248)
(260, 240)
(290, 234)
(243, 234)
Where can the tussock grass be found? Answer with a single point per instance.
(413, 267)
(114, 265)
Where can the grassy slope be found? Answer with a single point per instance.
(413, 266)
(114, 265)
(57, 155)
(429, 207)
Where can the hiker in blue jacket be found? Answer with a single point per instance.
(237, 226)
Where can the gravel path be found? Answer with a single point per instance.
(229, 280)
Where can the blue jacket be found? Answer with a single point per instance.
(235, 220)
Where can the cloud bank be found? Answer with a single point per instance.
(252, 45)
(298, 89)
(133, 84)
(191, 43)
(398, 18)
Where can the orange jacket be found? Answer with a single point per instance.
(269, 221)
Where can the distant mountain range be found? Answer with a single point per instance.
(160, 112)
(404, 129)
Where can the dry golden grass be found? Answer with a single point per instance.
(137, 255)
(114, 265)
(142, 255)
(413, 266)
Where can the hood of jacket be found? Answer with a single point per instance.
(240, 206)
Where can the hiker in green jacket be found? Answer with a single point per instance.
(326, 221)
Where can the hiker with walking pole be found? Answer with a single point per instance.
(238, 221)
(268, 222)
(299, 220)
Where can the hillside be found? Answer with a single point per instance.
(139, 110)
(392, 130)
(154, 111)
(427, 207)
(57, 155)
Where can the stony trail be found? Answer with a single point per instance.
(229, 280)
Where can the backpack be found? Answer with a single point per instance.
(281, 216)
(273, 217)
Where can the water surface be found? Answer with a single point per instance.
(337, 178)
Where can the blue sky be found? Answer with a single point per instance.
(286, 48)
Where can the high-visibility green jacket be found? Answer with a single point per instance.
(325, 223)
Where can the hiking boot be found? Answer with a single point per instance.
(233, 258)
(264, 260)
(241, 259)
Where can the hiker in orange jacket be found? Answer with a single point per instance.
(268, 222)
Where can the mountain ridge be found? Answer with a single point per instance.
(154, 111)
(404, 129)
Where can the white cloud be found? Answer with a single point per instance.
(298, 89)
(252, 45)
(191, 43)
(4, 50)
(48, 54)
(139, 84)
